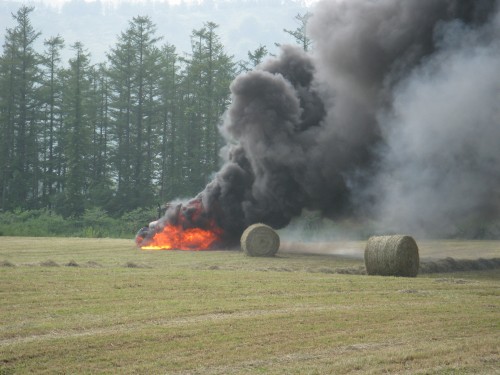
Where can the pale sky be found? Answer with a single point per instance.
(59, 3)
(240, 32)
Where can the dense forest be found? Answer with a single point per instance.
(113, 137)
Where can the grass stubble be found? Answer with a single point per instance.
(102, 306)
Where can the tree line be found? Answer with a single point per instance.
(135, 130)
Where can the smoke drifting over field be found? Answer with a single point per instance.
(419, 81)
(394, 119)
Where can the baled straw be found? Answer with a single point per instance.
(260, 240)
(392, 256)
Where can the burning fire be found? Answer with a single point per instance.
(175, 237)
(186, 228)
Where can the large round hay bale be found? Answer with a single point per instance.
(392, 256)
(260, 240)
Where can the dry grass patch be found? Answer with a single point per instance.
(6, 263)
(49, 263)
(221, 312)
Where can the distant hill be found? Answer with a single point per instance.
(243, 24)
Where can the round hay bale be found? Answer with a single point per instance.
(392, 256)
(260, 240)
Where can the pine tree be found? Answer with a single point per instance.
(19, 82)
(170, 146)
(77, 121)
(208, 73)
(51, 101)
(254, 58)
(300, 33)
(120, 72)
(100, 188)
(133, 70)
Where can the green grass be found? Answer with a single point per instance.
(102, 306)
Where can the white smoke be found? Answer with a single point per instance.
(440, 167)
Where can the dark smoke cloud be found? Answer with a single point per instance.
(393, 119)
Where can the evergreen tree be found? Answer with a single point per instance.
(100, 189)
(300, 33)
(19, 82)
(77, 121)
(170, 146)
(254, 58)
(51, 101)
(143, 40)
(133, 75)
(120, 116)
(209, 72)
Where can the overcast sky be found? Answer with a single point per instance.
(113, 3)
(243, 24)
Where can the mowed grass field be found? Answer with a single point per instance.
(79, 306)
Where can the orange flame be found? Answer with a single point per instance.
(175, 237)
(189, 227)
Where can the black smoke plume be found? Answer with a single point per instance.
(393, 121)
